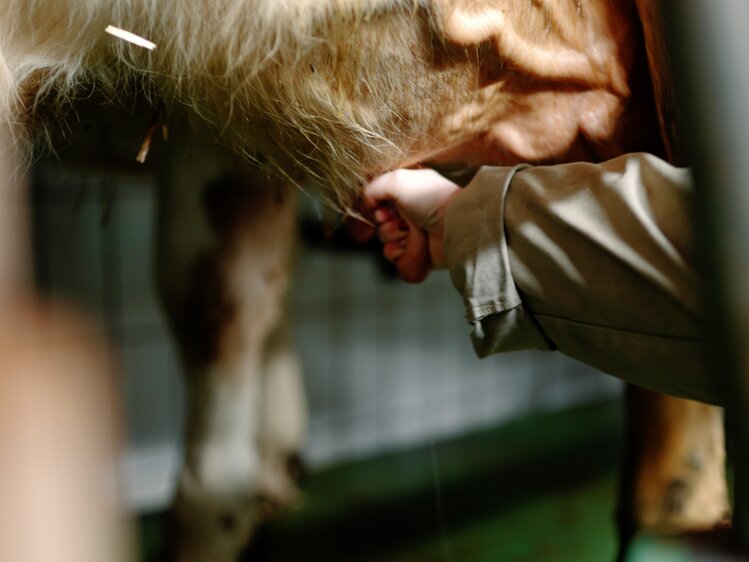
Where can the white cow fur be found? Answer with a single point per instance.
(235, 63)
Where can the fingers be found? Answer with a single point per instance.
(392, 230)
(376, 210)
(405, 245)
(406, 205)
(413, 265)
(385, 212)
(393, 251)
(358, 229)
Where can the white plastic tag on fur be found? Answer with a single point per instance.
(130, 37)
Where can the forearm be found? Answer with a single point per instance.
(595, 260)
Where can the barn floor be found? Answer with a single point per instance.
(538, 489)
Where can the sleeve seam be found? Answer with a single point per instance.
(620, 330)
(477, 312)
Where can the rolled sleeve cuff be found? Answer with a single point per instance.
(478, 261)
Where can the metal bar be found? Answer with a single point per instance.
(711, 41)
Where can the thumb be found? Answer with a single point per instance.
(419, 195)
(384, 188)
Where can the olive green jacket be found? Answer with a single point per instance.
(597, 261)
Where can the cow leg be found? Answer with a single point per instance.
(225, 238)
(674, 477)
(284, 420)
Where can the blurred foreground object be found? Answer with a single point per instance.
(58, 441)
(712, 43)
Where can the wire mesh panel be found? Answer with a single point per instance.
(386, 365)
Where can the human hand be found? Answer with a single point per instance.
(408, 207)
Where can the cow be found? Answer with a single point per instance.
(262, 96)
